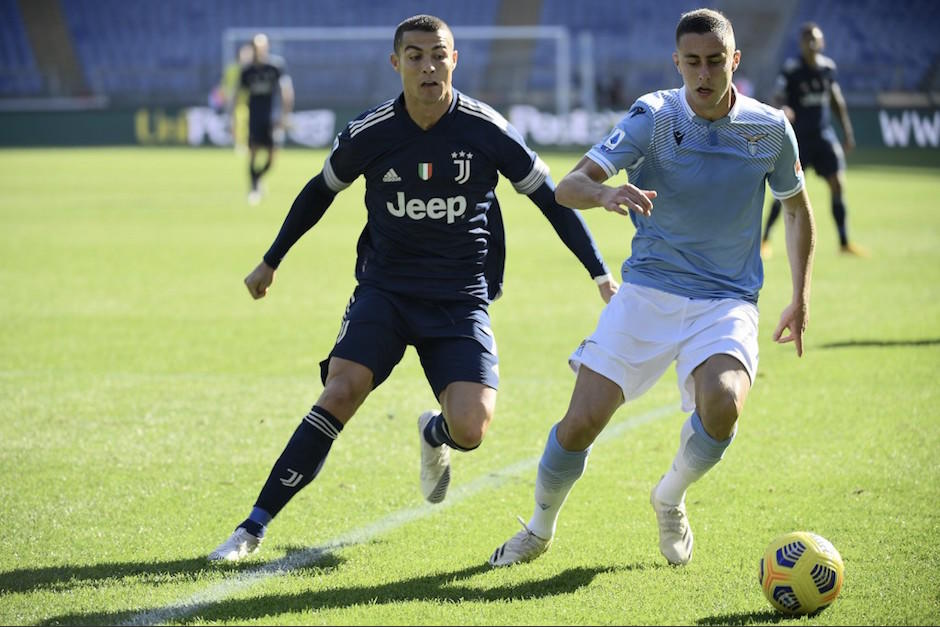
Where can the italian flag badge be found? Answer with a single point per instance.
(424, 170)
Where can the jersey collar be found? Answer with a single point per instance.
(730, 117)
(403, 112)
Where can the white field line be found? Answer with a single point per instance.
(299, 559)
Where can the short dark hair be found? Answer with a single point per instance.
(702, 21)
(807, 29)
(426, 23)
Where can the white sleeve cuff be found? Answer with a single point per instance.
(604, 278)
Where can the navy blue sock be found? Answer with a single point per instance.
(437, 433)
(300, 462)
(838, 214)
(257, 522)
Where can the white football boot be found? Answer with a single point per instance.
(435, 464)
(675, 535)
(240, 544)
(525, 546)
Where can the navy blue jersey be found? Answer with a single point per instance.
(808, 91)
(262, 80)
(434, 229)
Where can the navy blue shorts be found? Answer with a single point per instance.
(260, 130)
(453, 339)
(823, 152)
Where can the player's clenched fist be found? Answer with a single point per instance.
(259, 280)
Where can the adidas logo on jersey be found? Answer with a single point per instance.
(391, 176)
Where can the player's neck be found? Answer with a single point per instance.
(721, 109)
(426, 115)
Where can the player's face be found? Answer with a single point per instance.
(812, 43)
(706, 64)
(426, 64)
(260, 48)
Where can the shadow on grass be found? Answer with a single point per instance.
(882, 343)
(441, 587)
(745, 618)
(65, 578)
(749, 618)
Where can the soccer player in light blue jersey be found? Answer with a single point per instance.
(697, 159)
(430, 261)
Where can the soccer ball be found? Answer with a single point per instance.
(801, 573)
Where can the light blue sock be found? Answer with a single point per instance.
(698, 453)
(558, 471)
(702, 451)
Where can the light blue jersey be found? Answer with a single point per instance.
(703, 237)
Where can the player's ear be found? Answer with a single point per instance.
(393, 59)
(735, 60)
(675, 60)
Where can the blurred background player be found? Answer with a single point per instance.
(807, 90)
(236, 99)
(270, 100)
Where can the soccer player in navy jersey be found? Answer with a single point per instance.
(697, 160)
(270, 100)
(430, 261)
(807, 91)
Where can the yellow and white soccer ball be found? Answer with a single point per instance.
(801, 573)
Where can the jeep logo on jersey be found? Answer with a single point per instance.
(463, 165)
(434, 208)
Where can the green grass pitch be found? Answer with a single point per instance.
(144, 396)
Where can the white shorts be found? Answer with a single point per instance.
(642, 330)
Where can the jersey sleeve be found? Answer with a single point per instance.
(780, 87)
(519, 163)
(786, 179)
(344, 164)
(833, 71)
(627, 143)
(280, 63)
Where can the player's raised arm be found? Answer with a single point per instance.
(584, 188)
(309, 206)
(801, 242)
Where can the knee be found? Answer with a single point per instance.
(578, 430)
(468, 425)
(719, 407)
(835, 187)
(343, 395)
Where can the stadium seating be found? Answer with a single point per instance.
(878, 46)
(19, 74)
(170, 52)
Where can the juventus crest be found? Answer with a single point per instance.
(462, 161)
